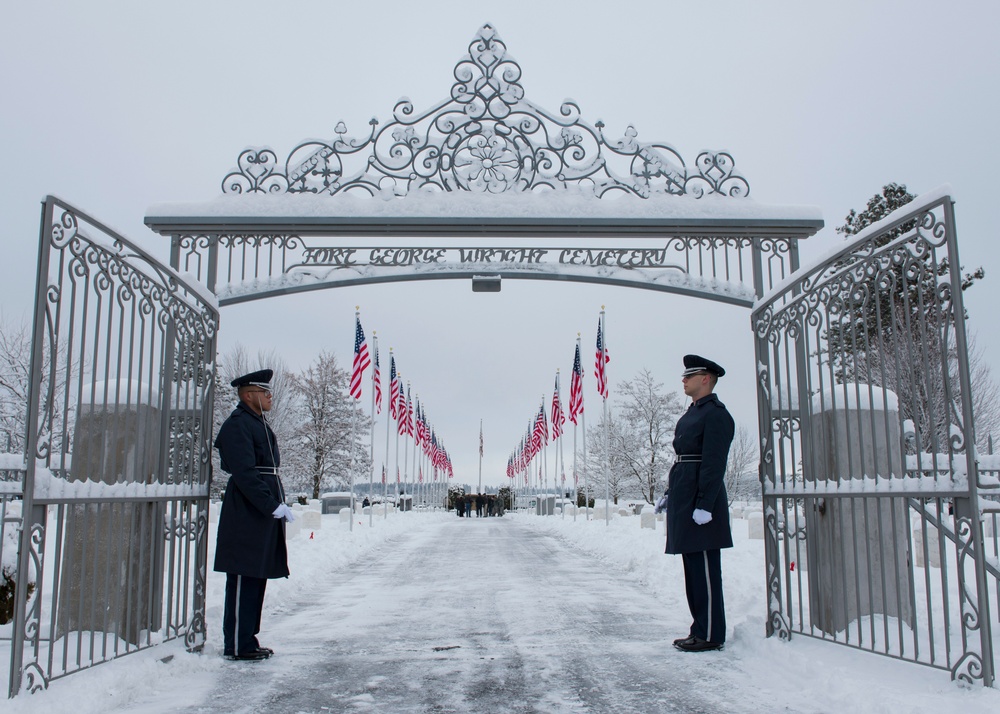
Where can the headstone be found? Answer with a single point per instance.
(112, 560)
(858, 546)
(929, 548)
(647, 519)
(292, 528)
(624, 512)
(755, 525)
(345, 515)
(312, 520)
(570, 509)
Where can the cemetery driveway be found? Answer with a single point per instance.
(474, 615)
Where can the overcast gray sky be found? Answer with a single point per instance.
(115, 106)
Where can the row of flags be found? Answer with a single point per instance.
(537, 434)
(411, 419)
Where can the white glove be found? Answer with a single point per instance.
(285, 512)
(701, 516)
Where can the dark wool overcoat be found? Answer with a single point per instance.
(706, 430)
(251, 541)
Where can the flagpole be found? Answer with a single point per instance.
(561, 455)
(545, 459)
(576, 485)
(385, 476)
(406, 451)
(398, 417)
(586, 469)
(480, 456)
(354, 426)
(371, 475)
(607, 439)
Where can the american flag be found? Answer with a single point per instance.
(393, 387)
(480, 438)
(401, 413)
(539, 433)
(377, 379)
(397, 474)
(361, 358)
(576, 388)
(602, 359)
(409, 413)
(383, 473)
(557, 413)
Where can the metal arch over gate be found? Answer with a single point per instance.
(485, 163)
(124, 350)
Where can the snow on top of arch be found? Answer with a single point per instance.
(562, 204)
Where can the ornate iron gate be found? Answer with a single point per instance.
(872, 493)
(116, 480)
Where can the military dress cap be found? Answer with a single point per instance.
(260, 378)
(694, 364)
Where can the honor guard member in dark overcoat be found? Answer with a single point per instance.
(697, 505)
(251, 533)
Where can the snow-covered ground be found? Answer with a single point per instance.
(428, 612)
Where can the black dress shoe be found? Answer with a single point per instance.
(266, 649)
(696, 644)
(253, 656)
(680, 640)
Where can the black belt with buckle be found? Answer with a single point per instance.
(687, 459)
(267, 470)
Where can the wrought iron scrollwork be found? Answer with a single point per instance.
(485, 138)
(777, 621)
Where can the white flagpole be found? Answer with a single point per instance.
(398, 417)
(607, 439)
(480, 456)
(545, 459)
(385, 464)
(583, 428)
(576, 489)
(562, 459)
(371, 476)
(406, 451)
(354, 427)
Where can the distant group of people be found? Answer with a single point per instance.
(483, 504)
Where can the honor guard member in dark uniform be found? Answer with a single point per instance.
(251, 533)
(697, 505)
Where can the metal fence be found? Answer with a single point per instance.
(111, 515)
(873, 495)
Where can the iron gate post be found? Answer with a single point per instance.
(981, 619)
(28, 515)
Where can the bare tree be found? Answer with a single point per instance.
(615, 480)
(649, 415)
(330, 419)
(15, 362)
(742, 456)
(15, 383)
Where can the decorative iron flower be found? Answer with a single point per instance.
(487, 163)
